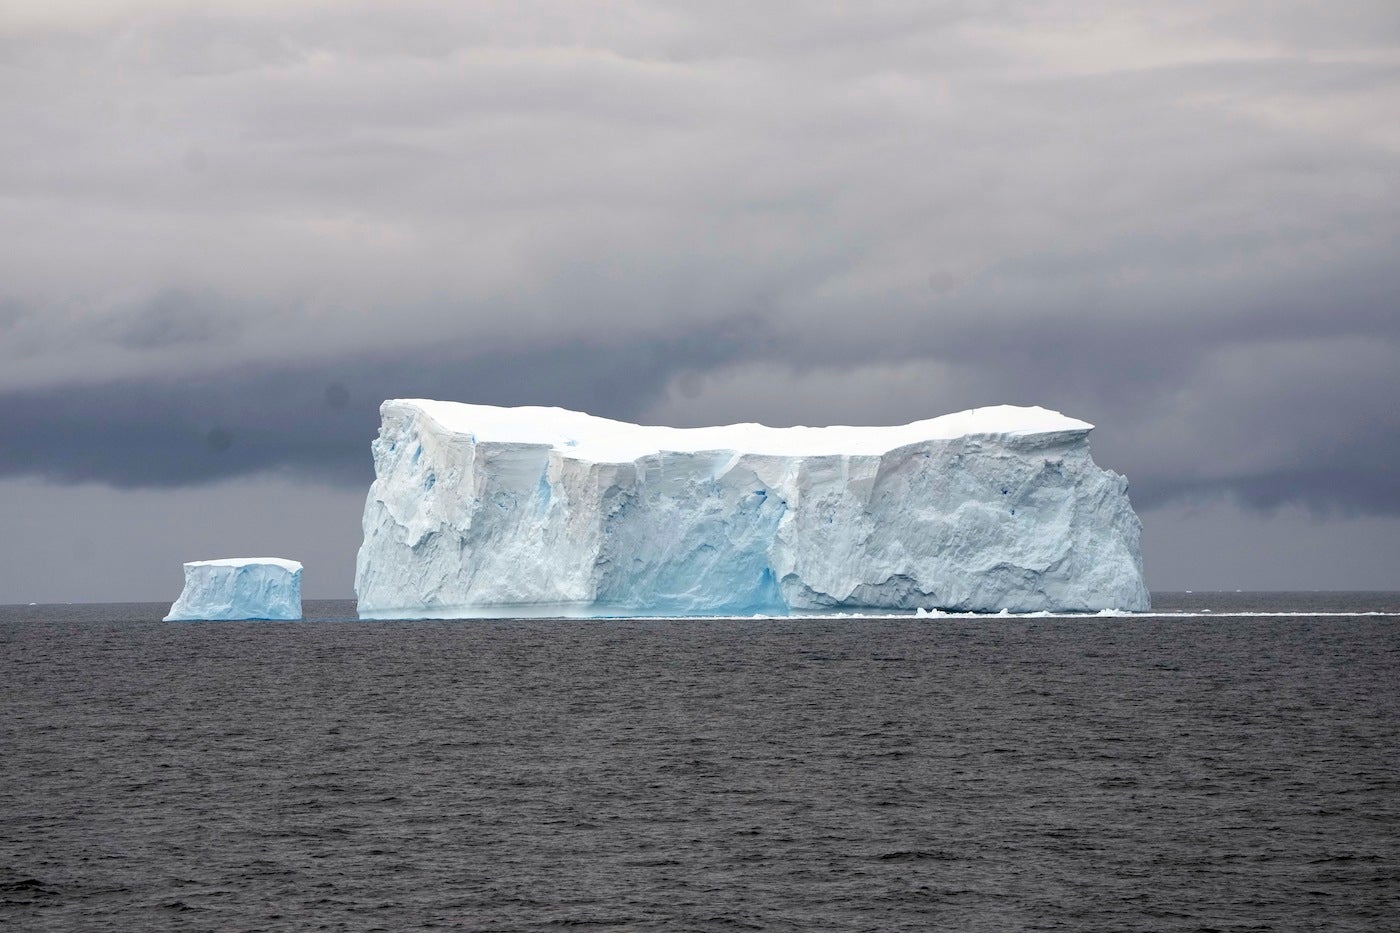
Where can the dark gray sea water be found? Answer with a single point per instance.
(1175, 772)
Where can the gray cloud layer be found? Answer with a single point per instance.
(231, 232)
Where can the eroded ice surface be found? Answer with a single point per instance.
(239, 588)
(485, 511)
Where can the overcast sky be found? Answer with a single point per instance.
(233, 227)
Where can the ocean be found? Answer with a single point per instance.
(1231, 762)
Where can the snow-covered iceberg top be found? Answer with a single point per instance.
(579, 436)
(291, 566)
(239, 588)
(485, 511)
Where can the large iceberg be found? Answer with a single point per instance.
(485, 511)
(239, 588)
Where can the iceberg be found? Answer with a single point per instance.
(479, 511)
(239, 588)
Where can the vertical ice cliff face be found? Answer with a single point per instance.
(239, 588)
(483, 511)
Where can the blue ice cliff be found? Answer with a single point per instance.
(239, 588)
(484, 511)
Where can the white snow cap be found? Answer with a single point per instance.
(586, 437)
(282, 562)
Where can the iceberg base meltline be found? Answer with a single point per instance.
(484, 511)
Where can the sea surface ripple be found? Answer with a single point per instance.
(887, 774)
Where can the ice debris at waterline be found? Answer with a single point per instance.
(484, 511)
(239, 588)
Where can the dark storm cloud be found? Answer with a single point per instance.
(172, 318)
(1287, 422)
(318, 420)
(234, 231)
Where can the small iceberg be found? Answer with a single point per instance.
(237, 588)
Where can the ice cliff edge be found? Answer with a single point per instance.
(484, 511)
(239, 588)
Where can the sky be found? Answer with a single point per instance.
(233, 227)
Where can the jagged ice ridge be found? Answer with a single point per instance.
(485, 511)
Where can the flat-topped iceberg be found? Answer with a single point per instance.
(485, 511)
(239, 588)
